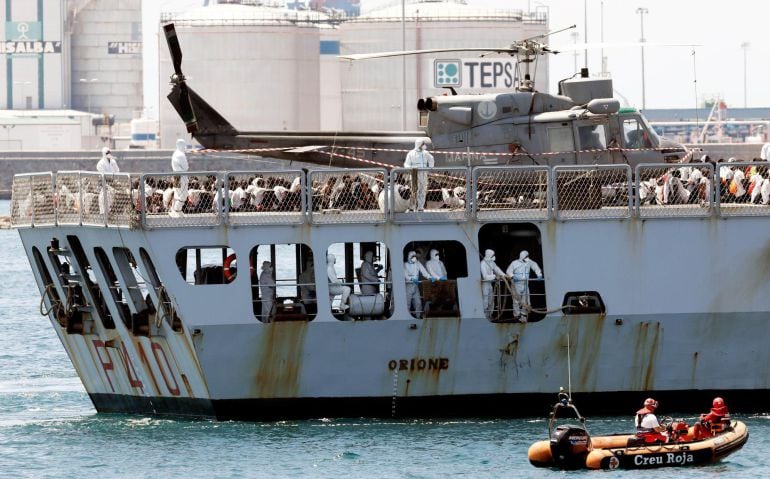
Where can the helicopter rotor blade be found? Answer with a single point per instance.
(187, 113)
(368, 56)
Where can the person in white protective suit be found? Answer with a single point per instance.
(370, 282)
(267, 291)
(107, 164)
(413, 269)
(520, 270)
(179, 163)
(489, 273)
(435, 266)
(419, 158)
(335, 285)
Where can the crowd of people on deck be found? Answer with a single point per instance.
(691, 184)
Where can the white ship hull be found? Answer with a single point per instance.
(687, 314)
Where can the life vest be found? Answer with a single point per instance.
(649, 435)
(718, 420)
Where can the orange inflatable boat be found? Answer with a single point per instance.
(571, 447)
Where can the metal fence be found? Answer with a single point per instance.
(429, 194)
(266, 197)
(666, 191)
(743, 189)
(342, 196)
(512, 193)
(190, 199)
(347, 196)
(587, 192)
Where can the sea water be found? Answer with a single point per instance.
(49, 428)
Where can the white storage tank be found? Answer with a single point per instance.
(372, 89)
(258, 66)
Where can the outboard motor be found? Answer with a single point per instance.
(570, 446)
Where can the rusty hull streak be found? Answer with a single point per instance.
(279, 359)
(648, 336)
(585, 348)
(438, 337)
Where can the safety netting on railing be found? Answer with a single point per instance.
(744, 189)
(429, 194)
(266, 197)
(68, 199)
(597, 191)
(673, 191)
(21, 201)
(44, 212)
(188, 199)
(121, 194)
(347, 196)
(93, 208)
(511, 193)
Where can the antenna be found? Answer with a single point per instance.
(695, 87)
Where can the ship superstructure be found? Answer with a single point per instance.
(645, 288)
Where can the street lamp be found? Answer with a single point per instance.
(88, 90)
(745, 46)
(641, 11)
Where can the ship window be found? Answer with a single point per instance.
(89, 280)
(358, 275)
(583, 302)
(431, 279)
(209, 265)
(166, 307)
(282, 282)
(137, 291)
(521, 298)
(592, 137)
(116, 291)
(560, 139)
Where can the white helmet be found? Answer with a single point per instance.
(523, 255)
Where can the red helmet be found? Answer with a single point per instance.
(718, 402)
(650, 403)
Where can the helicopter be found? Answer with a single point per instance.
(581, 124)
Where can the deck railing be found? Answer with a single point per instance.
(375, 195)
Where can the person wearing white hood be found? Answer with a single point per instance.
(419, 158)
(413, 269)
(179, 163)
(435, 266)
(489, 273)
(520, 270)
(107, 163)
(267, 291)
(335, 285)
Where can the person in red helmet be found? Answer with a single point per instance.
(647, 426)
(714, 422)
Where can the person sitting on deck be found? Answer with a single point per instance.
(715, 422)
(647, 426)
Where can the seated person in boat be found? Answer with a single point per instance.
(647, 426)
(713, 423)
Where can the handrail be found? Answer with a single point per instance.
(366, 196)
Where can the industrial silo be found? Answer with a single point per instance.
(372, 89)
(258, 66)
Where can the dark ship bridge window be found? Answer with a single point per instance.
(522, 298)
(438, 265)
(358, 275)
(207, 265)
(282, 282)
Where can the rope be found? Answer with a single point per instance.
(56, 304)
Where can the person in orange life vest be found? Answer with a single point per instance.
(647, 425)
(714, 422)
